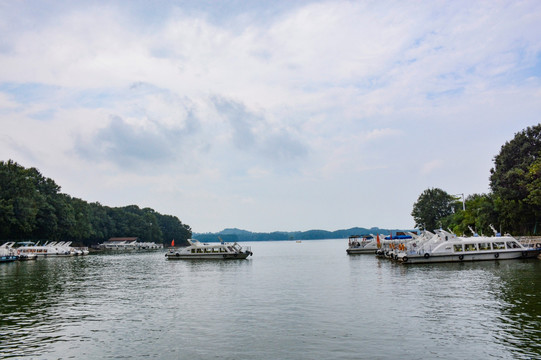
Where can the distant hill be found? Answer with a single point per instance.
(232, 235)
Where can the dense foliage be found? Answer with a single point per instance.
(516, 178)
(32, 207)
(514, 205)
(431, 207)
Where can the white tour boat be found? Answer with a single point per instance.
(366, 244)
(197, 250)
(447, 247)
(55, 248)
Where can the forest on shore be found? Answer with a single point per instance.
(33, 208)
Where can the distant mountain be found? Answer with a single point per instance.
(232, 235)
(234, 231)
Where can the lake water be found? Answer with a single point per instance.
(291, 300)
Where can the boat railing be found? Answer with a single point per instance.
(529, 243)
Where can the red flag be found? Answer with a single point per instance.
(377, 241)
(173, 242)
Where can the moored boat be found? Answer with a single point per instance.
(392, 245)
(447, 247)
(212, 251)
(366, 244)
(7, 254)
(48, 249)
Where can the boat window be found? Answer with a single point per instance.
(470, 247)
(512, 245)
(193, 251)
(199, 251)
(458, 247)
(498, 245)
(484, 246)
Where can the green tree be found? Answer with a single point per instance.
(173, 228)
(19, 201)
(432, 207)
(533, 185)
(480, 213)
(101, 224)
(75, 220)
(515, 180)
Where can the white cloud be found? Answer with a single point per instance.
(7, 103)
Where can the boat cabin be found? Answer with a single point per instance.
(481, 246)
(198, 248)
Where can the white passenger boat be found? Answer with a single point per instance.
(366, 244)
(55, 248)
(447, 247)
(218, 251)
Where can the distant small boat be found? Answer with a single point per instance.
(298, 241)
(209, 251)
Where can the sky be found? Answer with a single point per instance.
(267, 116)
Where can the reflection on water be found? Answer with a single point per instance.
(36, 300)
(520, 313)
(291, 300)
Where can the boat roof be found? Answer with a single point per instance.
(477, 239)
(398, 237)
(197, 243)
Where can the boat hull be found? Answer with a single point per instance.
(180, 256)
(7, 258)
(353, 251)
(27, 257)
(474, 256)
(41, 255)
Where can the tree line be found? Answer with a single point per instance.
(513, 205)
(33, 208)
(233, 235)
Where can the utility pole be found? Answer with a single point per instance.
(463, 201)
